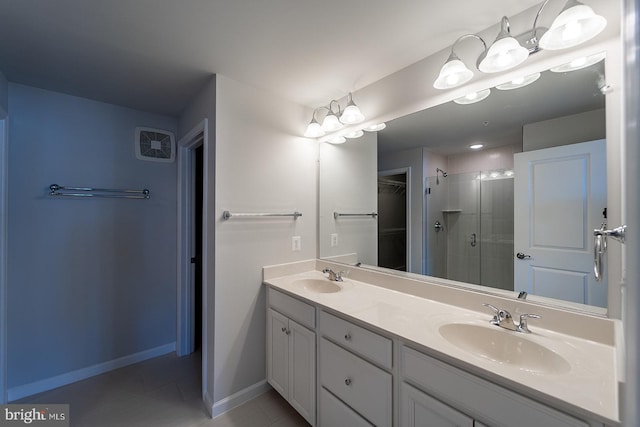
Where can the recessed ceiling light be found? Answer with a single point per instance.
(473, 97)
(476, 146)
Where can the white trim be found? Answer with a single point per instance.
(407, 171)
(237, 399)
(81, 374)
(185, 295)
(4, 210)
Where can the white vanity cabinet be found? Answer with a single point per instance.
(291, 352)
(431, 389)
(353, 374)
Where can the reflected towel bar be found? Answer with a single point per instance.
(336, 215)
(228, 215)
(59, 190)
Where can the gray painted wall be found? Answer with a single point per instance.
(90, 280)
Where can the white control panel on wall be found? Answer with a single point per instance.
(334, 240)
(296, 243)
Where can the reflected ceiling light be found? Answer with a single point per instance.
(473, 97)
(508, 172)
(376, 127)
(579, 63)
(454, 73)
(335, 118)
(519, 82)
(576, 24)
(337, 140)
(505, 52)
(476, 146)
(354, 134)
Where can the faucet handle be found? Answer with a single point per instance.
(341, 275)
(495, 320)
(522, 326)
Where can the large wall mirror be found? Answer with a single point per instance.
(515, 215)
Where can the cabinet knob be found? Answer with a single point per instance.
(347, 381)
(347, 336)
(286, 331)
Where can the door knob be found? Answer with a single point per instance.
(520, 255)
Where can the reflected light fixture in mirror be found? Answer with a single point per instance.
(579, 63)
(337, 140)
(376, 127)
(354, 134)
(473, 97)
(519, 82)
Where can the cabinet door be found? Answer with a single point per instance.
(421, 410)
(302, 370)
(334, 413)
(278, 352)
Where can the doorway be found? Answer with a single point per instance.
(393, 219)
(193, 217)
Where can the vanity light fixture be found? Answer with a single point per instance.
(519, 82)
(579, 63)
(335, 118)
(473, 97)
(576, 24)
(454, 73)
(505, 52)
(376, 127)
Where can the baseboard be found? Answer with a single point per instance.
(237, 399)
(25, 390)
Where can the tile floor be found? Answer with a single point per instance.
(160, 392)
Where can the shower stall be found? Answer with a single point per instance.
(469, 227)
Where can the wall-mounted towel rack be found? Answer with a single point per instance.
(227, 214)
(337, 215)
(59, 190)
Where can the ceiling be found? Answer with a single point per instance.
(155, 55)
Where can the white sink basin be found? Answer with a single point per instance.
(320, 286)
(504, 347)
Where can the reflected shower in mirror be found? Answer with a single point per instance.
(464, 214)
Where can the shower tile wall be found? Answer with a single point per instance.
(463, 257)
(496, 229)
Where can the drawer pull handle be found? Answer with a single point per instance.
(347, 336)
(347, 381)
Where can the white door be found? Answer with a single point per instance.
(560, 195)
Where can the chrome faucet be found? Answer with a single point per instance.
(333, 276)
(504, 319)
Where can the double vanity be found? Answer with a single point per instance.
(384, 350)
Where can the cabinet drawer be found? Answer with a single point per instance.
(358, 339)
(334, 413)
(481, 399)
(295, 309)
(361, 385)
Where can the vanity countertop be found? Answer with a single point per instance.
(589, 387)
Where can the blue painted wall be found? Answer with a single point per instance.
(89, 280)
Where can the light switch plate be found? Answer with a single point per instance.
(296, 243)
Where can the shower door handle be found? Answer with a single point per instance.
(473, 240)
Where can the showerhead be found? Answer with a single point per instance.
(444, 175)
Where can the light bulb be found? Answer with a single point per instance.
(331, 123)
